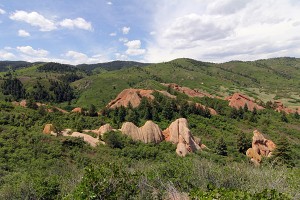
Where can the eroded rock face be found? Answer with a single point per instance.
(149, 133)
(179, 133)
(188, 91)
(279, 107)
(132, 96)
(260, 147)
(104, 129)
(238, 100)
(49, 129)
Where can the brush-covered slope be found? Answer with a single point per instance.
(264, 79)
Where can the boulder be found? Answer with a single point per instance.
(238, 100)
(260, 147)
(104, 129)
(49, 129)
(87, 138)
(77, 110)
(149, 133)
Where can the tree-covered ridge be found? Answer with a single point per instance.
(57, 67)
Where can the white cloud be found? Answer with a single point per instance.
(120, 56)
(34, 19)
(75, 57)
(4, 55)
(28, 50)
(76, 23)
(152, 33)
(125, 30)
(2, 12)
(109, 3)
(112, 34)
(23, 33)
(123, 40)
(223, 30)
(134, 48)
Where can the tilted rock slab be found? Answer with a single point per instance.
(149, 133)
(179, 133)
(238, 100)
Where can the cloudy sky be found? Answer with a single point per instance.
(93, 31)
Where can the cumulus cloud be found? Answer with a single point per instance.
(134, 48)
(28, 50)
(2, 12)
(76, 23)
(34, 19)
(4, 55)
(112, 34)
(125, 30)
(23, 33)
(120, 56)
(75, 57)
(223, 30)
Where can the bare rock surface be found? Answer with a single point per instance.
(149, 133)
(238, 100)
(261, 147)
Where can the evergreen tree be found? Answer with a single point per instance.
(234, 113)
(221, 148)
(243, 143)
(39, 93)
(246, 109)
(92, 111)
(283, 152)
(31, 104)
(284, 117)
(241, 112)
(13, 87)
(168, 111)
(121, 114)
(296, 115)
(133, 117)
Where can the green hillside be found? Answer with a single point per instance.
(34, 165)
(264, 79)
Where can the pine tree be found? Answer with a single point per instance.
(283, 117)
(221, 148)
(92, 111)
(283, 152)
(296, 115)
(243, 143)
(246, 109)
(133, 117)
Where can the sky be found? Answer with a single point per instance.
(95, 31)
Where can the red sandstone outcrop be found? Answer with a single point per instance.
(260, 147)
(132, 96)
(238, 100)
(49, 129)
(23, 103)
(211, 110)
(104, 129)
(179, 133)
(279, 107)
(149, 133)
(188, 91)
(77, 110)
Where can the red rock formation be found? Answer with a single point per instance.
(179, 133)
(77, 110)
(149, 133)
(260, 147)
(49, 129)
(188, 91)
(211, 110)
(238, 100)
(279, 107)
(134, 97)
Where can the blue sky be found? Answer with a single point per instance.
(93, 31)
